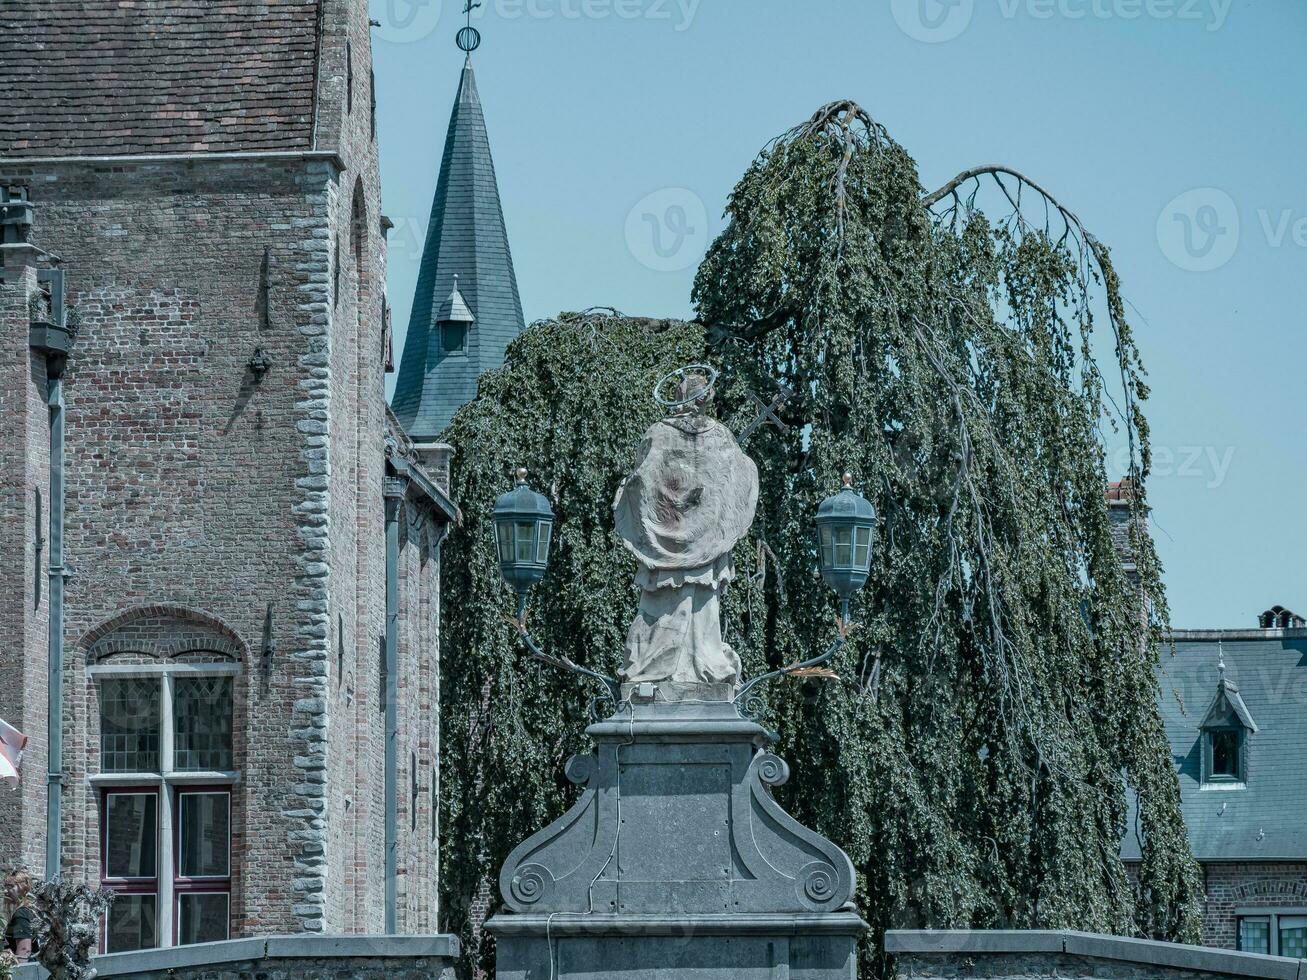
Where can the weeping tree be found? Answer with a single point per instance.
(964, 353)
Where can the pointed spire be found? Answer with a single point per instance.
(466, 235)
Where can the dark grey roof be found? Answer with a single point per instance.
(466, 237)
(1264, 818)
(92, 77)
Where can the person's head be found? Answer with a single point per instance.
(18, 884)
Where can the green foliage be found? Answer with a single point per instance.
(973, 759)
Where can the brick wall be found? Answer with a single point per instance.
(213, 509)
(24, 469)
(1256, 885)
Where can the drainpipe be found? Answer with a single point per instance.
(394, 493)
(55, 743)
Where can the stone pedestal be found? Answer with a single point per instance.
(676, 863)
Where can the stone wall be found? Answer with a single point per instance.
(1066, 955)
(1237, 886)
(285, 958)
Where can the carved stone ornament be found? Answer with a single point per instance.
(677, 816)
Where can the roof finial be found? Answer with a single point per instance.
(468, 38)
(1220, 659)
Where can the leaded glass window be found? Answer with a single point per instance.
(1255, 935)
(1293, 936)
(202, 724)
(129, 725)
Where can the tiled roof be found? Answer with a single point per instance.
(465, 238)
(100, 77)
(1265, 817)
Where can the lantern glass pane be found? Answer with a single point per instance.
(526, 541)
(862, 547)
(504, 534)
(843, 547)
(542, 549)
(827, 553)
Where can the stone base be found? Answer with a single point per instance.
(676, 863)
(817, 946)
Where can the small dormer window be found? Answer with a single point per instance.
(453, 337)
(1223, 750)
(1224, 735)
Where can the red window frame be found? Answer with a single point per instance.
(203, 885)
(129, 886)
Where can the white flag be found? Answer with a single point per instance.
(12, 743)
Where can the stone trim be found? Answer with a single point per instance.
(959, 944)
(765, 924)
(272, 156)
(325, 947)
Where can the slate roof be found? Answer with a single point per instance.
(465, 238)
(107, 77)
(1265, 818)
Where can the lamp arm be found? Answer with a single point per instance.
(612, 690)
(833, 649)
(746, 707)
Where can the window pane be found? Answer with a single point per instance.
(1293, 936)
(132, 923)
(1255, 935)
(505, 532)
(129, 725)
(542, 552)
(131, 835)
(862, 547)
(827, 552)
(204, 835)
(453, 337)
(526, 540)
(201, 918)
(844, 546)
(1225, 753)
(202, 723)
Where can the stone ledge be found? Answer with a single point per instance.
(967, 943)
(765, 924)
(200, 955)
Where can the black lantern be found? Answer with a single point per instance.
(524, 523)
(846, 530)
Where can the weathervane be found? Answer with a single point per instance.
(469, 38)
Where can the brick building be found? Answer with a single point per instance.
(1234, 703)
(230, 587)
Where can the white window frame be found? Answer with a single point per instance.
(169, 780)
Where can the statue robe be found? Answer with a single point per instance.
(690, 499)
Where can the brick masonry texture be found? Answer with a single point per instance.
(1252, 885)
(104, 76)
(24, 623)
(214, 514)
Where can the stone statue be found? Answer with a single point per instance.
(689, 501)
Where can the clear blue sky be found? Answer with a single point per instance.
(1177, 129)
